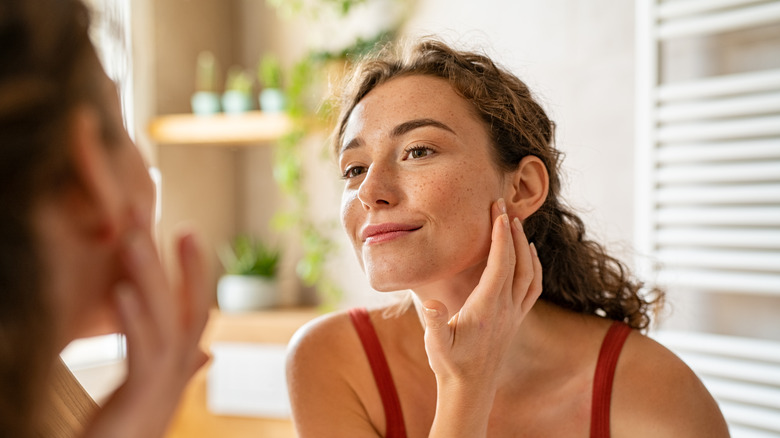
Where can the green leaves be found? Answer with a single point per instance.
(314, 8)
(238, 79)
(248, 256)
(269, 71)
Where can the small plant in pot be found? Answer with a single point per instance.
(237, 97)
(269, 73)
(249, 282)
(205, 100)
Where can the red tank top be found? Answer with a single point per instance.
(602, 380)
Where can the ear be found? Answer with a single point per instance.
(93, 198)
(530, 184)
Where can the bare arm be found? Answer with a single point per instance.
(323, 379)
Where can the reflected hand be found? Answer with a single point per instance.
(163, 326)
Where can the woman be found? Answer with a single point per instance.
(78, 256)
(450, 170)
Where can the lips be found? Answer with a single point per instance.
(387, 231)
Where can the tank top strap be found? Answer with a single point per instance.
(384, 380)
(603, 378)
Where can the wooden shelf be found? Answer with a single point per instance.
(219, 129)
(193, 419)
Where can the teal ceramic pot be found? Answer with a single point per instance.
(205, 103)
(236, 102)
(272, 100)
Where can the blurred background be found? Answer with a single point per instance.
(668, 113)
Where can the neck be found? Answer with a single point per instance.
(452, 291)
(534, 349)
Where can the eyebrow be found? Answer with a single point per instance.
(400, 130)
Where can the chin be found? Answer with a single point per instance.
(389, 280)
(381, 283)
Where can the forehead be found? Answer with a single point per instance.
(408, 98)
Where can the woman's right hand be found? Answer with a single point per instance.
(163, 326)
(466, 350)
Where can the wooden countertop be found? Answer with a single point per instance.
(192, 419)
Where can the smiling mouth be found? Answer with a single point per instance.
(374, 234)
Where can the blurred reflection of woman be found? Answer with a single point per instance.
(450, 171)
(77, 250)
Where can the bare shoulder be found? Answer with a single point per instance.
(329, 380)
(321, 355)
(656, 394)
(322, 338)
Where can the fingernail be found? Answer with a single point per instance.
(188, 244)
(433, 313)
(533, 250)
(505, 218)
(518, 224)
(501, 205)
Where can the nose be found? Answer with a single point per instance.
(378, 188)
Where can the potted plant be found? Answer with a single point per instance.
(237, 97)
(205, 100)
(249, 282)
(269, 73)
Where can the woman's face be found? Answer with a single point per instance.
(419, 183)
(135, 195)
(129, 165)
(87, 305)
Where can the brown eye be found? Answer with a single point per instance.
(418, 152)
(353, 172)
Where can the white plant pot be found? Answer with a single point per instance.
(244, 293)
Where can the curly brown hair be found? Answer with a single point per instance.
(579, 274)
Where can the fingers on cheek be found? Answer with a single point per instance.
(193, 282)
(188, 254)
(135, 321)
(129, 309)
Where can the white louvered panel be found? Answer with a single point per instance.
(765, 216)
(732, 369)
(720, 281)
(744, 392)
(740, 431)
(721, 194)
(719, 173)
(742, 83)
(760, 350)
(755, 149)
(740, 106)
(706, 237)
(721, 21)
(720, 130)
(680, 8)
(728, 260)
(768, 419)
